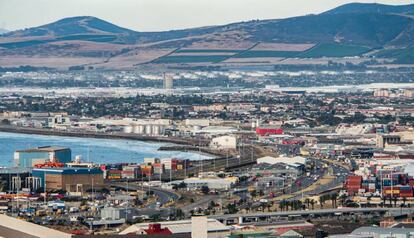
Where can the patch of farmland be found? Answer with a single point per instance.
(208, 51)
(253, 60)
(180, 53)
(401, 56)
(334, 50)
(283, 47)
(171, 59)
(266, 54)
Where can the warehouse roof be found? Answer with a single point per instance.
(68, 170)
(381, 231)
(177, 227)
(11, 227)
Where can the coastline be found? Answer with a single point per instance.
(177, 144)
(99, 135)
(218, 161)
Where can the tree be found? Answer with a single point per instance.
(334, 196)
(404, 200)
(321, 201)
(312, 202)
(231, 207)
(179, 213)
(307, 201)
(282, 205)
(205, 190)
(395, 199)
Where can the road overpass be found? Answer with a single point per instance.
(266, 216)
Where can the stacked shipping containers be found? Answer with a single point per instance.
(146, 170)
(353, 184)
(114, 174)
(158, 168)
(130, 172)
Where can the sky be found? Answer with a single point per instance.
(159, 15)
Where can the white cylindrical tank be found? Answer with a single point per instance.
(136, 129)
(141, 129)
(162, 130)
(148, 129)
(155, 130)
(128, 129)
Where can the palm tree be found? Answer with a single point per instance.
(384, 200)
(307, 201)
(312, 202)
(369, 200)
(282, 205)
(321, 201)
(404, 199)
(395, 201)
(334, 196)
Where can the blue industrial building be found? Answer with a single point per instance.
(69, 179)
(39, 155)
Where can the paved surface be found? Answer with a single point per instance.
(163, 195)
(318, 211)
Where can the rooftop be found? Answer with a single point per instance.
(175, 227)
(44, 149)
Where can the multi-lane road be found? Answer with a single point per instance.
(305, 213)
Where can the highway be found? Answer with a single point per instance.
(313, 212)
(163, 195)
(338, 172)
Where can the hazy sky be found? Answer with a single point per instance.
(153, 15)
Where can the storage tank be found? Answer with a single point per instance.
(137, 129)
(148, 129)
(128, 129)
(155, 130)
(141, 129)
(162, 130)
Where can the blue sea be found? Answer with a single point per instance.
(92, 150)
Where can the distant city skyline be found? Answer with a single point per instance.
(160, 15)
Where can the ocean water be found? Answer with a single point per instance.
(91, 149)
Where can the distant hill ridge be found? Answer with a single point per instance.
(350, 30)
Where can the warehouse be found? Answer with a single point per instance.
(214, 228)
(224, 142)
(211, 183)
(39, 155)
(69, 179)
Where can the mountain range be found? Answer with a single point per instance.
(3, 31)
(356, 30)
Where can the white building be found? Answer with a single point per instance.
(283, 159)
(58, 121)
(224, 142)
(211, 183)
(216, 130)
